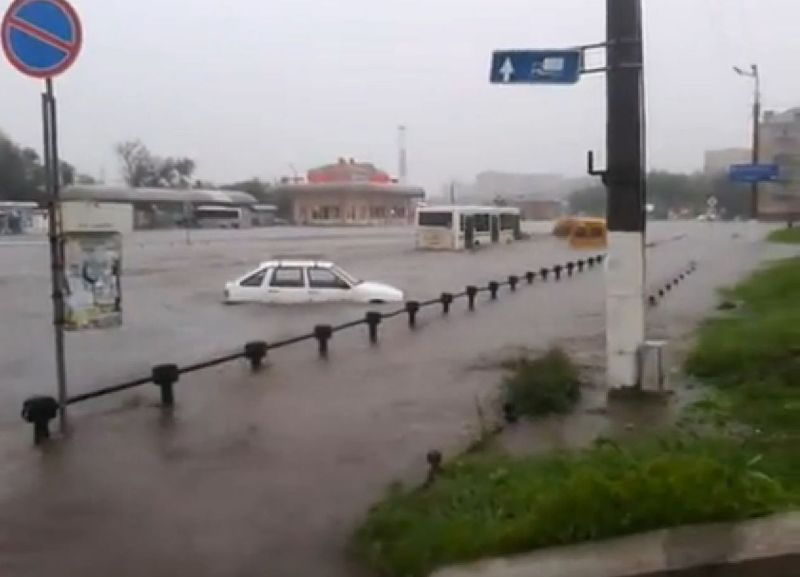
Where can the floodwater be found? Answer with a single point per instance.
(267, 473)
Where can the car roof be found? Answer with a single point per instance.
(296, 262)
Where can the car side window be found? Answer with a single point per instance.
(256, 279)
(325, 278)
(288, 277)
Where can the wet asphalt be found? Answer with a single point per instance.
(267, 473)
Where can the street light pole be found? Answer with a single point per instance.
(754, 74)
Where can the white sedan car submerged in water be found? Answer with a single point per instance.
(306, 281)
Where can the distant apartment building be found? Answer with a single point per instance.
(780, 144)
(719, 161)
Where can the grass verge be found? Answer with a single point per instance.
(746, 464)
(786, 235)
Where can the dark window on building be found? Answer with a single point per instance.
(443, 219)
(377, 212)
(288, 277)
(325, 278)
(255, 279)
(326, 213)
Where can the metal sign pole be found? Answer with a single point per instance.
(53, 182)
(756, 140)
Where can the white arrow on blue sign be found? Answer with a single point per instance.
(536, 66)
(41, 38)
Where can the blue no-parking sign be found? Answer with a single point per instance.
(41, 38)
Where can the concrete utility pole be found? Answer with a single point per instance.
(754, 74)
(402, 160)
(625, 182)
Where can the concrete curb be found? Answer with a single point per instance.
(767, 547)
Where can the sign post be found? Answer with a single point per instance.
(42, 39)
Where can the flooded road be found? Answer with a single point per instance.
(266, 474)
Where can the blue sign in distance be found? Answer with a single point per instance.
(536, 66)
(41, 38)
(754, 173)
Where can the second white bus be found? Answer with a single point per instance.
(466, 227)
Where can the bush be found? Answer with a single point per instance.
(544, 385)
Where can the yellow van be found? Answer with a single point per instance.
(564, 226)
(588, 233)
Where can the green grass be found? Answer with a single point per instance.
(491, 505)
(752, 358)
(541, 386)
(787, 235)
(735, 456)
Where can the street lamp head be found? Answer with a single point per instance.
(751, 73)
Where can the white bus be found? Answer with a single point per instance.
(466, 227)
(211, 216)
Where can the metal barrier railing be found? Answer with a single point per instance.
(40, 410)
(656, 296)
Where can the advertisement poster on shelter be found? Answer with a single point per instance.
(92, 292)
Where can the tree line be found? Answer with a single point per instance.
(22, 175)
(674, 193)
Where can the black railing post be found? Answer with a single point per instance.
(570, 268)
(323, 334)
(447, 300)
(472, 292)
(39, 411)
(581, 264)
(164, 377)
(255, 352)
(373, 318)
(529, 276)
(494, 286)
(412, 308)
(557, 271)
(513, 281)
(544, 273)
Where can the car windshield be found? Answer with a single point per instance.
(346, 276)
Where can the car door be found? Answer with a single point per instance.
(324, 285)
(287, 285)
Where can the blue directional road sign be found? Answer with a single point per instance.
(754, 173)
(41, 38)
(536, 67)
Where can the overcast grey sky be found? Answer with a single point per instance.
(247, 87)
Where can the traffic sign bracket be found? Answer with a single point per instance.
(591, 170)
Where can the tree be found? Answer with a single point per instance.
(140, 168)
(589, 201)
(672, 193)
